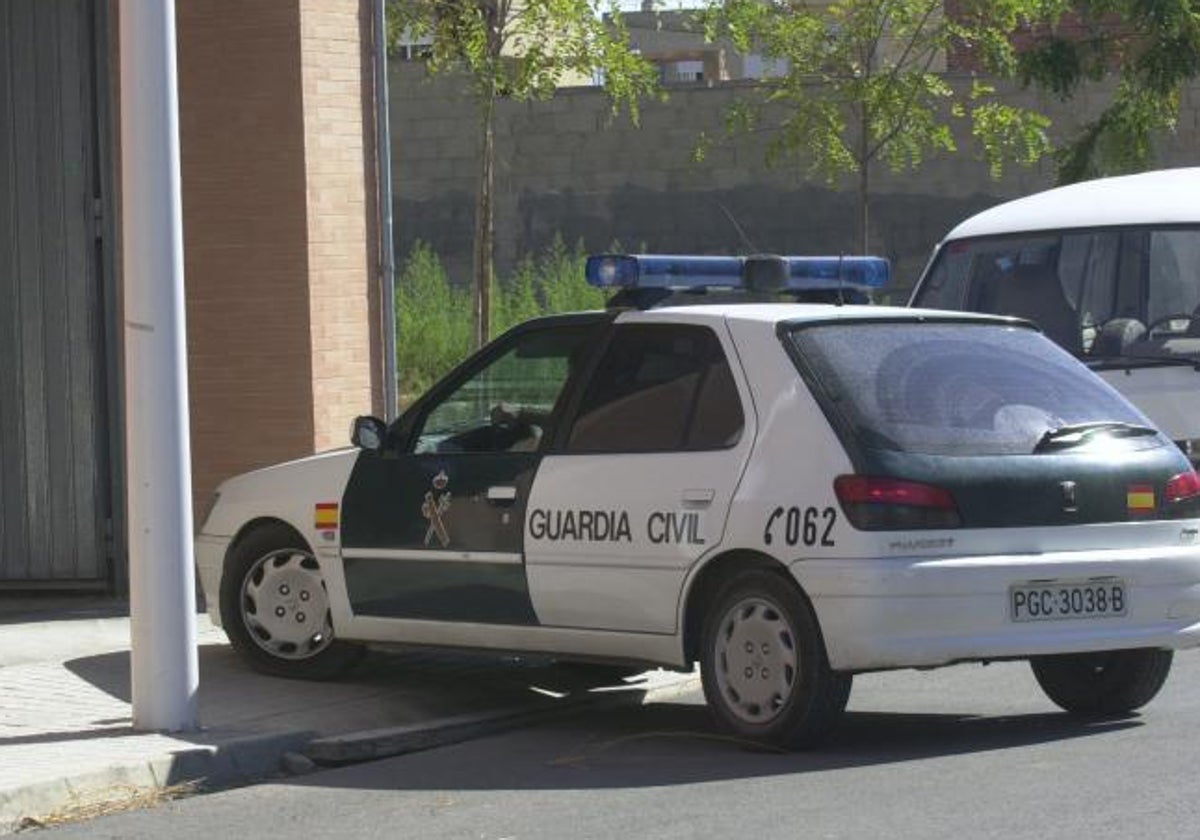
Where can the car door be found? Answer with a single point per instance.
(639, 484)
(432, 523)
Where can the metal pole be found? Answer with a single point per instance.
(161, 583)
(383, 152)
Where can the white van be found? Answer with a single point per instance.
(1110, 269)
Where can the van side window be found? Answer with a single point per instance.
(1174, 281)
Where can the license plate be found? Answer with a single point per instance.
(1053, 601)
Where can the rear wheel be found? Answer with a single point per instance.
(765, 673)
(275, 608)
(1103, 684)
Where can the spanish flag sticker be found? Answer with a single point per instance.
(326, 516)
(1139, 499)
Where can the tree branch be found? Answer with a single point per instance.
(901, 120)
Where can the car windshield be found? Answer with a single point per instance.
(1101, 294)
(961, 388)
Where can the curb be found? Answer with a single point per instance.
(216, 765)
(374, 744)
(248, 758)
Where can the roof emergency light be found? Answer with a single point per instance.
(696, 273)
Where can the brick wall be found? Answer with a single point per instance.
(335, 40)
(567, 166)
(245, 225)
(277, 246)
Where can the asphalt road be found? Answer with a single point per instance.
(965, 752)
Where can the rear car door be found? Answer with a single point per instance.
(432, 523)
(639, 483)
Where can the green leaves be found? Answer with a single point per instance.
(865, 83)
(526, 49)
(865, 80)
(433, 315)
(1151, 48)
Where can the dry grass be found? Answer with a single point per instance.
(111, 800)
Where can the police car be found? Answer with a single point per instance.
(786, 493)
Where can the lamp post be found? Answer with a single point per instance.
(161, 584)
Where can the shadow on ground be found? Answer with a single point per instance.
(666, 744)
(40, 607)
(663, 743)
(385, 690)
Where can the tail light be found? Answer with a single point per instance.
(892, 504)
(1183, 493)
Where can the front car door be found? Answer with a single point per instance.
(432, 524)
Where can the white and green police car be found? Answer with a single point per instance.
(787, 493)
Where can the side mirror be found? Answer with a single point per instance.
(368, 433)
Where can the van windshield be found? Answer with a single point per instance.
(1102, 294)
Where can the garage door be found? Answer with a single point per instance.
(54, 474)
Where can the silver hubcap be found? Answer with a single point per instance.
(285, 606)
(757, 663)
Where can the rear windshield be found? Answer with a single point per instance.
(953, 389)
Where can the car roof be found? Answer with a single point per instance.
(775, 313)
(1164, 196)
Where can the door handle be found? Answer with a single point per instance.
(698, 498)
(502, 494)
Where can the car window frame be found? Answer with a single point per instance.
(404, 431)
(571, 413)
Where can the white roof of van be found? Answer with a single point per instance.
(1165, 196)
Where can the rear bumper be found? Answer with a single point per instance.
(210, 558)
(911, 612)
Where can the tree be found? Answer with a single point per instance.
(1150, 47)
(519, 49)
(863, 84)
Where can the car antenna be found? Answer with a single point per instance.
(750, 246)
(841, 300)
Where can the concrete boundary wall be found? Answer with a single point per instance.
(569, 166)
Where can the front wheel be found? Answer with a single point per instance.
(766, 677)
(275, 608)
(1103, 684)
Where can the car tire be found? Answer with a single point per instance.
(275, 608)
(763, 665)
(1104, 684)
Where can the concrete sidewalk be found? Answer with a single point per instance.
(65, 718)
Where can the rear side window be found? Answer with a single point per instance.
(659, 388)
(953, 389)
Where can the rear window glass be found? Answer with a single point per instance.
(953, 389)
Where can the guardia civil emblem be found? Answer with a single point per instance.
(434, 509)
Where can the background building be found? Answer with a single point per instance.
(276, 133)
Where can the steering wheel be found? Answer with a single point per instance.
(1176, 316)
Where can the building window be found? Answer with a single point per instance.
(681, 72)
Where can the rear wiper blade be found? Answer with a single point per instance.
(1065, 437)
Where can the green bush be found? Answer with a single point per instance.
(433, 317)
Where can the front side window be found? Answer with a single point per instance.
(954, 389)
(659, 388)
(508, 405)
(1174, 278)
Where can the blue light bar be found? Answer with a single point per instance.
(663, 271)
(835, 272)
